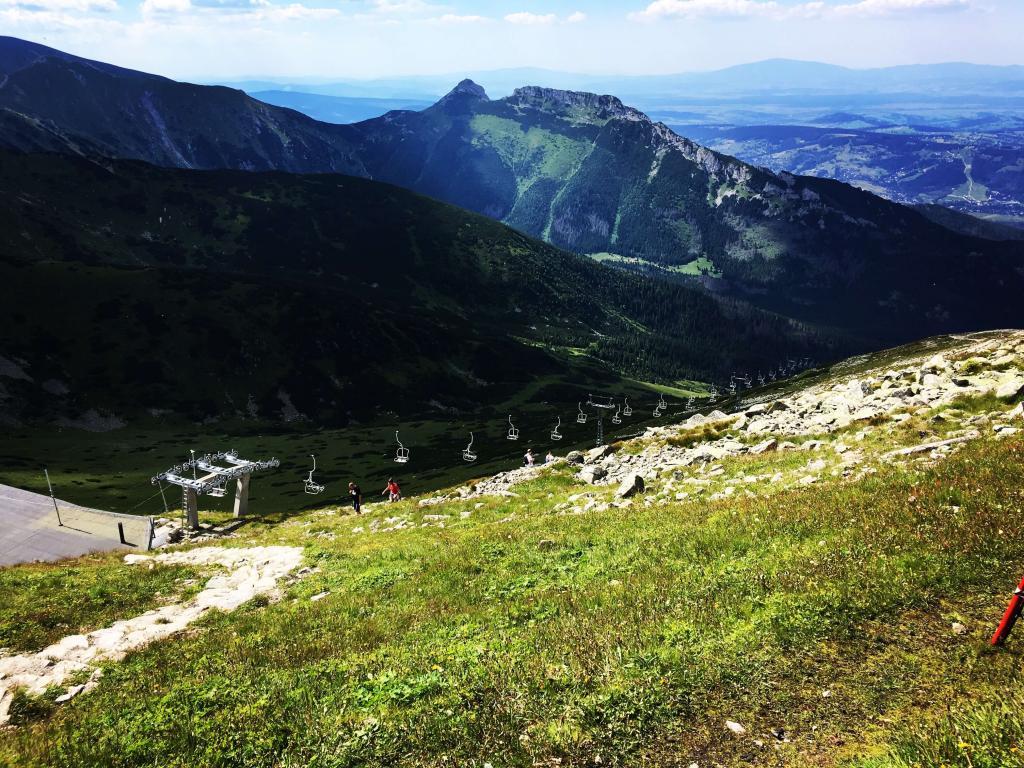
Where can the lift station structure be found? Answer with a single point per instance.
(218, 469)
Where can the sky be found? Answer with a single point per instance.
(207, 40)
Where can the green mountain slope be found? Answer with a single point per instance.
(273, 295)
(592, 175)
(584, 172)
(54, 101)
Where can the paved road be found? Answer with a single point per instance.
(29, 529)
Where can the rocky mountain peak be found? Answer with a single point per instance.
(466, 88)
(555, 100)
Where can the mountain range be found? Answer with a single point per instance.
(779, 76)
(231, 294)
(582, 171)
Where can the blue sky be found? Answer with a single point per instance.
(223, 39)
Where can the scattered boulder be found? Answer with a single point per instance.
(591, 473)
(574, 457)
(631, 486)
(1010, 389)
(763, 447)
(735, 727)
(937, 364)
(958, 628)
(596, 454)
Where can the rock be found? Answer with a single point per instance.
(318, 596)
(73, 691)
(958, 628)
(592, 473)
(631, 486)
(545, 545)
(786, 445)
(811, 445)
(763, 447)
(595, 454)
(1017, 412)
(735, 727)
(756, 409)
(1010, 389)
(574, 457)
(808, 480)
(937, 364)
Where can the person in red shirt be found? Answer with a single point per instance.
(393, 492)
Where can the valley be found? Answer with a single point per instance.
(699, 397)
(821, 556)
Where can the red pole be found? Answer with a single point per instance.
(1010, 617)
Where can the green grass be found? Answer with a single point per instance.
(45, 602)
(516, 635)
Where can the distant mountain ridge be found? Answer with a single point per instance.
(53, 101)
(580, 170)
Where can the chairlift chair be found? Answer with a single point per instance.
(513, 432)
(581, 417)
(661, 406)
(616, 418)
(311, 486)
(402, 453)
(555, 434)
(219, 491)
(600, 401)
(467, 452)
(626, 410)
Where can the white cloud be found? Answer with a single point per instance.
(891, 7)
(233, 10)
(151, 7)
(454, 18)
(525, 17)
(576, 18)
(691, 9)
(50, 6)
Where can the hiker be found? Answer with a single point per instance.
(549, 458)
(357, 497)
(528, 458)
(393, 492)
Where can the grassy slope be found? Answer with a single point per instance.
(212, 293)
(520, 636)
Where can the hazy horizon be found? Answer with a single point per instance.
(376, 39)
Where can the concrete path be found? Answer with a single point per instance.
(29, 529)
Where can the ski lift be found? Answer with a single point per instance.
(689, 402)
(467, 452)
(311, 486)
(555, 434)
(513, 433)
(760, 378)
(581, 417)
(732, 387)
(218, 491)
(660, 406)
(600, 401)
(402, 453)
(626, 410)
(616, 418)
